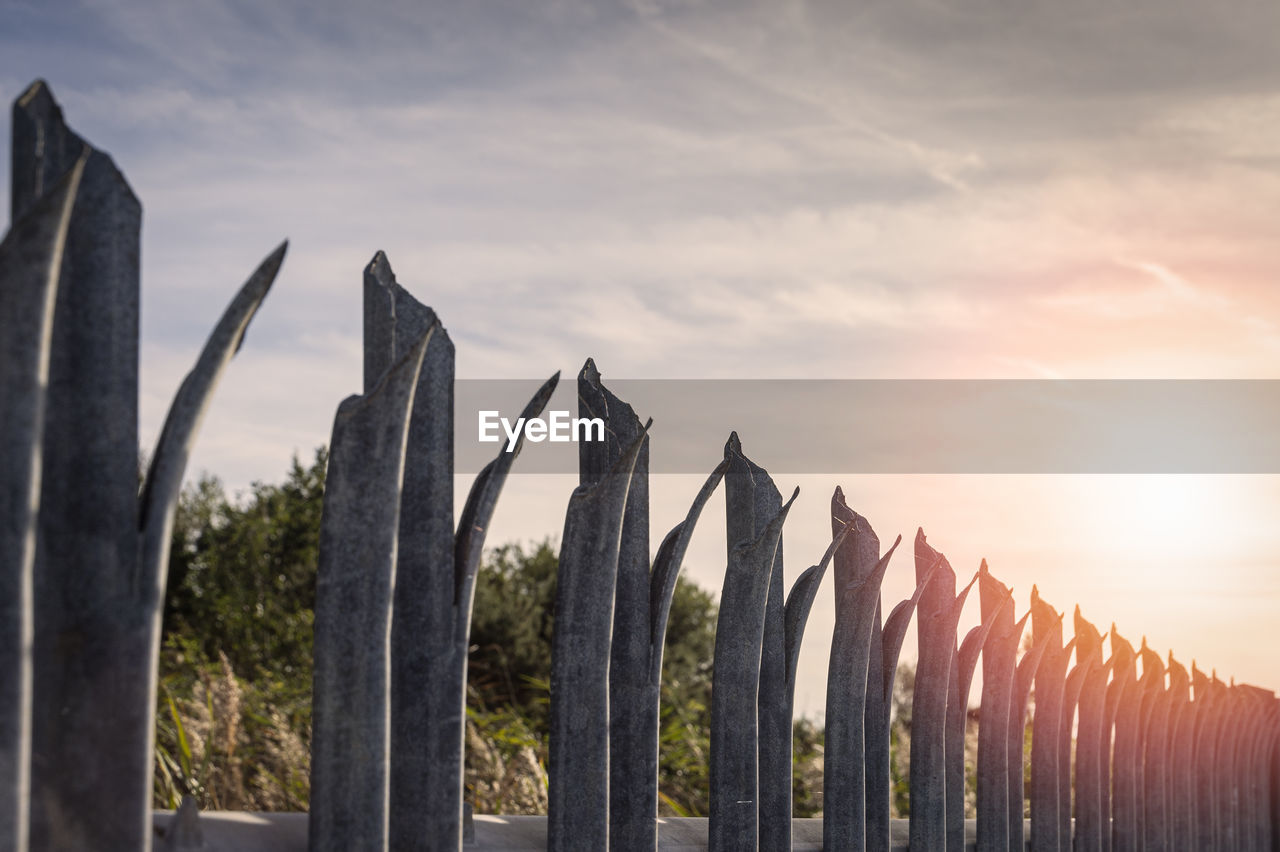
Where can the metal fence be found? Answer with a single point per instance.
(1127, 753)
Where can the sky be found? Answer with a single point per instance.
(703, 189)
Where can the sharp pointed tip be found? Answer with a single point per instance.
(276, 258)
(982, 569)
(734, 444)
(555, 377)
(38, 88)
(380, 267)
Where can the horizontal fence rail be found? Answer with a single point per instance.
(1129, 750)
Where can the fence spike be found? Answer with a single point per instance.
(427, 668)
(633, 723)
(751, 498)
(859, 570)
(999, 657)
(966, 661)
(359, 532)
(798, 604)
(578, 811)
(1092, 826)
(936, 626)
(30, 265)
(87, 542)
(886, 647)
(666, 568)
(1050, 680)
(1023, 679)
(735, 689)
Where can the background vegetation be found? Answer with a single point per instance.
(233, 722)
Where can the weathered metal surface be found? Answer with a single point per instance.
(736, 683)
(158, 500)
(1046, 624)
(999, 655)
(936, 628)
(30, 266)
(751, 499)
(885, 648)
(1092, 825)
(435, 572)
(1085, 661)
(1155, 750)
(859, 570)
(641, 606)
(355, 584)
(578, 810)
(800, 602)
(1023, 679)
(666, 568)
(1180, 756)
(1220, 767)
(426, 720)
(92, 637)
(477, 512)
(633, 724)
(1128, 818)
(966, 662)
(1207, 700)
(1124, 701)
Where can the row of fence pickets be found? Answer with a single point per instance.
(1122, 757)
